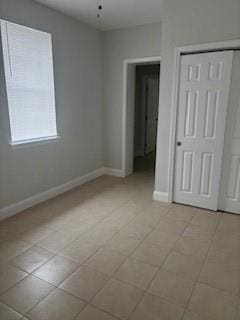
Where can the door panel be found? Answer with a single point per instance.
(191, 112)
(202, 109)
(230, 189)
(206, 174)
(187, 171)
(211, 112)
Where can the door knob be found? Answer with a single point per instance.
(179, 143)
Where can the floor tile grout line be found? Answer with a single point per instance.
(104, 244)
(40, 301)
(194, 282)
(95, 307)
(2, 293)
(6, 304)
(34, 304)
(140, 243)
(128, 256)
(150, 283)
(16, 266)
(57, 230)
(170, 251)
(111, 277)
(160, 267)
(205, 258)
(144, 291)
(82, 235)
(91, 301)
(57, 287)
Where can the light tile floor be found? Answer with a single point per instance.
(106, 251)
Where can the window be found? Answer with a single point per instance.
(28, 65)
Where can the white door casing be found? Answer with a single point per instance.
(128, 110)
(130, 101)
(230, 186)
(152, 113)
(202, 109)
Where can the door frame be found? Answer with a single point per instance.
(199, 48)
(127, 135)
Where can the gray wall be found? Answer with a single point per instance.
(119, 45)
(77, 51)
(91, 138)
(187, 22)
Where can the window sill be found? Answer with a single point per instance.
(33, 142)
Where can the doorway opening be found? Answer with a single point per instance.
(140, 114)
(146, 116)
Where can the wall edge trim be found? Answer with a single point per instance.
(38, 198)
(161, 196)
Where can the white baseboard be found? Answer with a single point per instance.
(114, 172)
(55, 191)
(160, 196)
(48, 194)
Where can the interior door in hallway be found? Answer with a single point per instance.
(151, 113)
(202, 110)
(230, 190)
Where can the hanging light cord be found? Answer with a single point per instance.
(99, 9)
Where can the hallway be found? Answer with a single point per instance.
(145, 164)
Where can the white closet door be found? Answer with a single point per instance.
(230, 195)
(202, 109)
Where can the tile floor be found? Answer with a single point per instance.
(106, 251)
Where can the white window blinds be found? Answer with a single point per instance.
(28, 65)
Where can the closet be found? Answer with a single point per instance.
(207, 157)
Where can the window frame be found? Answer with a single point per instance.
(35, 141)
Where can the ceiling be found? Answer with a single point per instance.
(115, 13)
